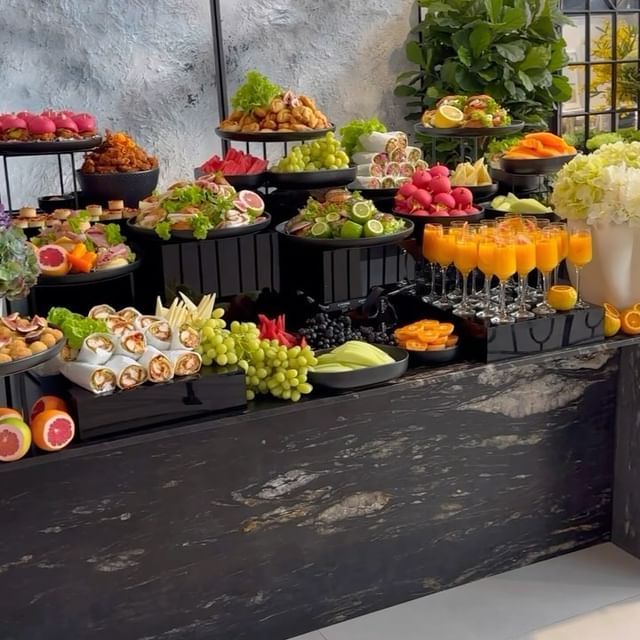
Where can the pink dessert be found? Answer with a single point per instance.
(42, 128)
(65, 126)
(13, 128)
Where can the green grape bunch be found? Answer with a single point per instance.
(269, 367)
(323, 154)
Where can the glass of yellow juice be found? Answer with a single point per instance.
(465, 260)
(486, 249)
(547, 259)
(580, 253)
(429, 244)
(504, 266)
(444, 254)
(525, 264)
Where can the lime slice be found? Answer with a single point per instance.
(361, 211)
(333, 217)
(321, 230)
(373, 229)
(351, 230)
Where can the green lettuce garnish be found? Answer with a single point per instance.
(351, 132)
(200, 225)
(257, 91)
(74, 326)
(113, 235)
(75, 222)
(163, 230)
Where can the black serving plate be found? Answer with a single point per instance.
(312, 179)
(470, 132)
(20, 366)
(276, 136)
(86, 278)
(339, 243)
(375, 194)
(215, 234)
(30, 147)
(492, 214)
(364, 377)
(443, 356)
(445, 221)
(251, 181)
(482, 191)
(534, 166)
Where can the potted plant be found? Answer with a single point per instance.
(511, 50)
(602, 191)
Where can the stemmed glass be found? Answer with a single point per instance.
(465, 260)
(486, 250)
(429, 251)
(504, 267)
(445, 250)
(580, 253)
(547, 260)
(525, 264)
(562, 238)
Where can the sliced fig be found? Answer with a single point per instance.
(41, 322)
(10, 321)
(32, 336)
(26, 325)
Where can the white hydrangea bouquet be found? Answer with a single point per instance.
(602, 190)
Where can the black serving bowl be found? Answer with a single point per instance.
(443, 356)
(359, 378)
(49, 204)
(534, 166)
(130, 187)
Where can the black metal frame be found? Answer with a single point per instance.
(589, 10)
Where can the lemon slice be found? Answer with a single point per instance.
(562, 297)
(447, 117)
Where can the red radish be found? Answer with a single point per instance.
(462, 196)
(407, 189)
(12, 122)
(439, 170)
(40, 125)
(65, 122)
(445, 199)
(422, 197)
(440, 184)
(422, 179)
(85, 121)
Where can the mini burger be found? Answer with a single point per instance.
(13, 128)
(65, 127)
(86, 124)
(42, 128)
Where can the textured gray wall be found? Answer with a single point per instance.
(146, 66)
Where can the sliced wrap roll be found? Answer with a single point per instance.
(185, 363)
(132, 345)
(157, 364)
(159, 335)
(95, 378)
(97, 348)
(129, 373)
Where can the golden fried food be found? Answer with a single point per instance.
(285, 113)
(118, 153)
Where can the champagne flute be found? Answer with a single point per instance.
(445, 249)
(486, 250)
(525, 264)
(562, 238)
(504, 267)
(429, 245)
(546, 260)
(580, 253)
(465, 259)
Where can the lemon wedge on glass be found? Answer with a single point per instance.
(447, 117)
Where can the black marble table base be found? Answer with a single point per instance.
(289, 519)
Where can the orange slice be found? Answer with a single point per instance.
(436, 347)
(610, 310)
(414, 345)
(452, 341)
(630, 322)
(446, 329)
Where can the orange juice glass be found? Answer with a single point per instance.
(429, 246)
(547, 259)
(580, 254)
(444, 254)
(466, 260)
(525, 264)
(562, 238)
(504, 266)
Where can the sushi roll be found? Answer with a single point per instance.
(142, 322)
(414, 154)
(95, 378)
(128, 372)
(185, 363)
(186, 337)
(130, 314)
(118, 326)
(132, 345)
(101, 311)
(97, 348)
(159, 335)
(157, 365)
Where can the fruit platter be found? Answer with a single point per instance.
(342, 220)
(264, 111)
(26, 342)
(475, 177)
(537, 153)
(384, 160)
(356, 364)
(241, 170)
(208, 207)
(431, 196)
(49, 131)
(428, 341)
(76, 251)
(467, 116)
(316, 164)
(512, 204)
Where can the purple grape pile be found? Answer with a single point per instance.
(326, 332)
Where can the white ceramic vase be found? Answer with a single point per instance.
(614, 273)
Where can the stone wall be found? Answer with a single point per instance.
(147, 66)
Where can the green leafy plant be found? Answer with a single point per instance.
(511, 50)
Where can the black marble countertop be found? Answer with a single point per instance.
(421, 377)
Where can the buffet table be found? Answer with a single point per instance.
(285, 519)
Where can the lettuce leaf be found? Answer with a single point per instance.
(257, 91)
(75, 222)
(351, 132)
(200, 225)
(163, 230)
(113, 235)
(74, 326)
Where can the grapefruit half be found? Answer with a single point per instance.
(6, 412)
(45, 403)
(252, 201)
(53, 260)
(52, 430)
(15, 439)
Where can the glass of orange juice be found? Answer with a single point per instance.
(562, 238)
(525, 264)
(486, 249)
(580, 253)
(429, 241)
(504, 267)
(444, 254)
(465, 259)
(547, 259)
